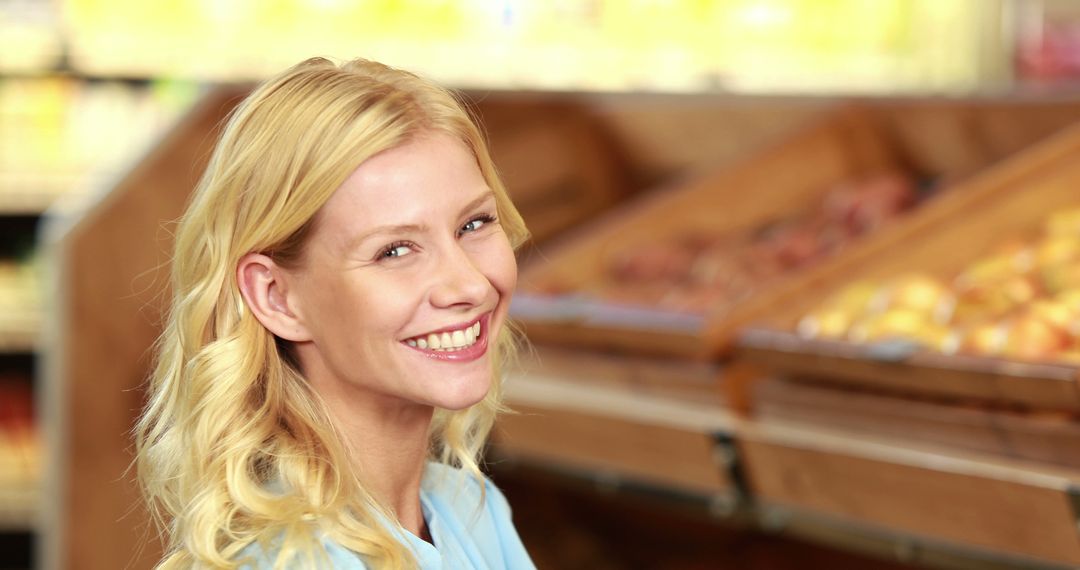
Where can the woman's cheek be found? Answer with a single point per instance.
(501, 265)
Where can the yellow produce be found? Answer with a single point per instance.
(920, 293)
(1065, 223)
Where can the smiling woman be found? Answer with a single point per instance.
(331, 364)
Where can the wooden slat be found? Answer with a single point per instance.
(662, 456)
(1051, 438)
(670, 379)
(1008, 507)
(997, 381)
(611, 431)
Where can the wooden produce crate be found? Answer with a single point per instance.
(1012, 510)
(782, 181)
(1013, 198)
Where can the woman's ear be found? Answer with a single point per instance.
(266, 293)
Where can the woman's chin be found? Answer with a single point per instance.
(465, 396)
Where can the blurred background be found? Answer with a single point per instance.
(803, 292)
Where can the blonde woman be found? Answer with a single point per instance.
(329, 369)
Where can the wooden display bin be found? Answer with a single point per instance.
(944, 142)
(1027, 512)
(940, 240)
(779, 182)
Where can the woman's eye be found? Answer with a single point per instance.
(476, 223)
(395, 250)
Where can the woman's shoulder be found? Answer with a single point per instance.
(260, 556)
(462, 489)
(472, 510)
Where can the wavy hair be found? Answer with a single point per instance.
(233, 449)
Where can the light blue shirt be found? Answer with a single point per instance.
(468, 534)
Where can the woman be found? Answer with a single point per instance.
(329, 370)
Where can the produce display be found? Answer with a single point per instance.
(57, 134)
(705, 272)
(20, 452)
(20, 300)
(1020, 301)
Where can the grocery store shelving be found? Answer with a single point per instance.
(30, 37)
(22, 195)
(18, 508)
(21, 338)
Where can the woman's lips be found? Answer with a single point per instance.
(474, 348)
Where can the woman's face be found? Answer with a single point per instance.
(406, 281)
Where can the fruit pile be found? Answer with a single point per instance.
(20, 454)
(1022, 301)
(709, 272)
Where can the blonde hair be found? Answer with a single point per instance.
(233, 447)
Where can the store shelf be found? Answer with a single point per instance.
(20, 315)
(19, 198)
(29, 42)
(15, 339)
(18, 508)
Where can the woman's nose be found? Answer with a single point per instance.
(458, 281)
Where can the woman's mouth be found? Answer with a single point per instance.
(448, 340)
(463, 342)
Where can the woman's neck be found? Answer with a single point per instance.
(391, 454)
(389, 444)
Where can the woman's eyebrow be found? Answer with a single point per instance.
(397, 229)
(487, 195)
(391, 229)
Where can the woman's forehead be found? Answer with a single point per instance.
(419, 183)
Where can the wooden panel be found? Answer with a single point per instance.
(669, 379)
(114, 275)
(1046, 386)
(1018, 508)
(1049, 437)
(615, 428)
(661, 455)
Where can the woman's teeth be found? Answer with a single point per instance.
(453, 340)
